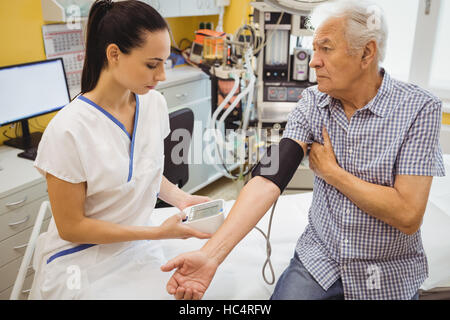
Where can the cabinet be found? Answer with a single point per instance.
(76, 10)
(22, 190)
(198, 7)
(182, 8)
(187, 87)
(166, 8)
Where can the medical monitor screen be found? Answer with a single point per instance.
(205, 212)
(32, 89)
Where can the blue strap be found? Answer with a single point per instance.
(69, 251)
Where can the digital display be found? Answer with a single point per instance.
(200, 213)
(197, 49)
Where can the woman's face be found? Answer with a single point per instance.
(142, 69)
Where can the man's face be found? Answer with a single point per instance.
(336, 69)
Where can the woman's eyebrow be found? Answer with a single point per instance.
(159, 59)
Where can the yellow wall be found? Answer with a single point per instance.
(446, 118)
(184, 27)
(236, 14)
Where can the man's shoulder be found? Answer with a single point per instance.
(413, 93)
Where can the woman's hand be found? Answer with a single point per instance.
(173, 228)
(191, 200)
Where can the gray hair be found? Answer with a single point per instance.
(365, 22)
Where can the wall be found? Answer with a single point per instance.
(21, 42)
(21, 38)
(236, 14)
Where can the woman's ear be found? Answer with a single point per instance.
(112, 53)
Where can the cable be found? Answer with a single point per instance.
(4, 134)
(264, 42)
(182, 40)
(268, 262)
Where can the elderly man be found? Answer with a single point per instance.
(373, 148)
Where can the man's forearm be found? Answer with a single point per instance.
(253, 202)
(381, 202)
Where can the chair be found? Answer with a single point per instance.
(178, 174)
(18, 284)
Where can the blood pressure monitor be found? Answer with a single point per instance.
(205, 217)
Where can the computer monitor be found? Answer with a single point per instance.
(29, 90)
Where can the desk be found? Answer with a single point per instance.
(22, 190)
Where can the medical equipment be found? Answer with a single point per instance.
(29, 90)
(242, 74)
(205, 217)
(208, 44)
(282, 75)
(278, 88)
(213, 49)
(298, 7)
(301, 61)
(280, 163)
(196, 52)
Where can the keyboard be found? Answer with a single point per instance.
(30, 153)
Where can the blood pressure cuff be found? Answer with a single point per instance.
(280, 162)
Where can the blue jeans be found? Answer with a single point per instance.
(296, 283)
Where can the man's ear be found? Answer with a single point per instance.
(369, 54)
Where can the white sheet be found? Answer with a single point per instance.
(240, 275)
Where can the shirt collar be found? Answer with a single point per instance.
(375, 105)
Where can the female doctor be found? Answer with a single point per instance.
(102, 156)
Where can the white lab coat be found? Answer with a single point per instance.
(84, 143)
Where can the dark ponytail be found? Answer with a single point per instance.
(122, 23)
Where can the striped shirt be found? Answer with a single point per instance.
(396, 133)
